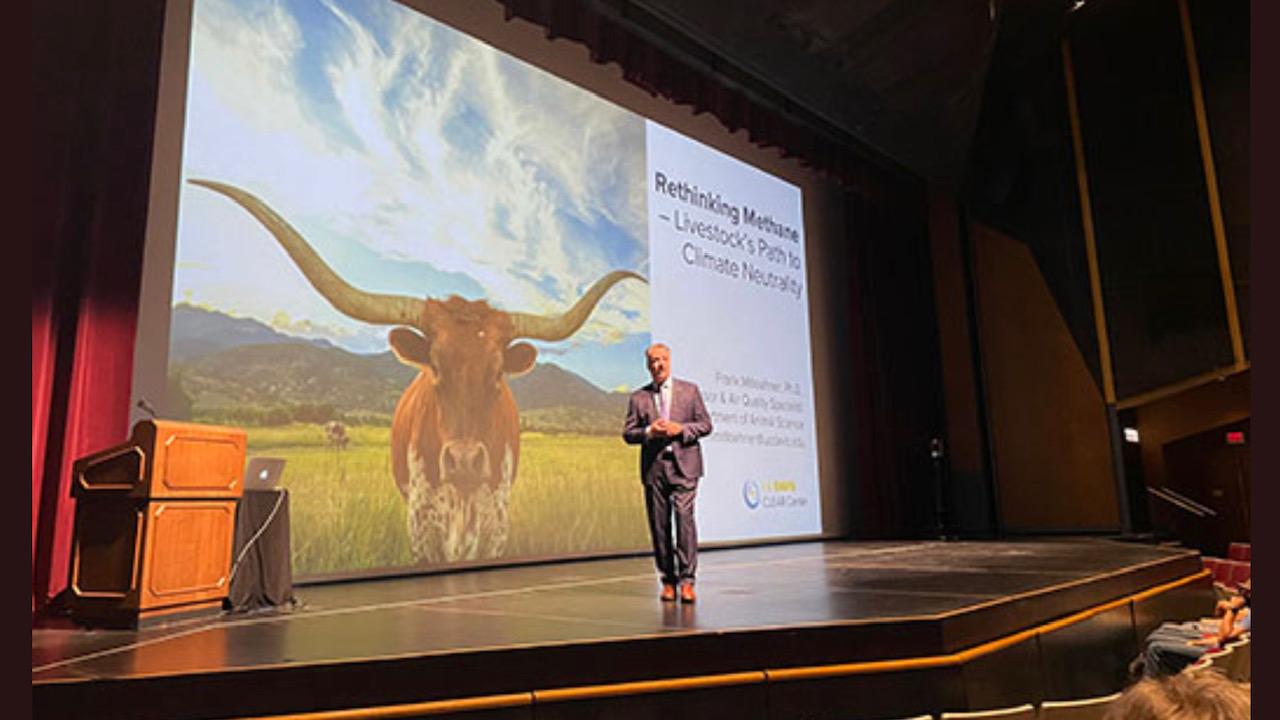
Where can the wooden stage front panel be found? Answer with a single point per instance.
(826, 629)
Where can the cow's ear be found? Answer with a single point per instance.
(519, 358)
(410, 347)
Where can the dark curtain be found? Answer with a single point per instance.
(897, 398)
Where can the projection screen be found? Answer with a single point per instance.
(388, 231)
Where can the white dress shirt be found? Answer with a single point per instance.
(662, 400)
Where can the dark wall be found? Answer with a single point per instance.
(1168, 319)
(1214, 472)
(968, 506)
(1159, 266)
(1205, 411)
(1049, 439)
(1221, 31)
(1158, 262)
(1022, 178)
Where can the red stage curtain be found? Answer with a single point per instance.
(95, 69)
(42, 354)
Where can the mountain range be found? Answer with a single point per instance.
(239, 369)
(195, 332)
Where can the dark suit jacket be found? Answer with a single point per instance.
(686, 409)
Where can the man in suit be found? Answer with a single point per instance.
(666, 418)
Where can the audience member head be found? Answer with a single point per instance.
(1200, 695)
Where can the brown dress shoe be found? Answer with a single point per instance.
(687, 594)
(668, 593)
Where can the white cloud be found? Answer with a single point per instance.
(403, 189)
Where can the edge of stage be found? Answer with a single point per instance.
(822, 629)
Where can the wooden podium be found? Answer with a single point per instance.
(155, 520)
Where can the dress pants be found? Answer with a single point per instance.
(668, 492)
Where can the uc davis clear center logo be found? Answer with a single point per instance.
(771, 494)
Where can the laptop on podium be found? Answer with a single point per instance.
(263, 473)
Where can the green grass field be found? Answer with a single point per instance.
(573, 494)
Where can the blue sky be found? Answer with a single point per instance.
(416, 160)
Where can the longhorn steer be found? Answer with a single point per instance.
(455, 435)
(336, 433)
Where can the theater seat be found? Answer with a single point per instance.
(1021, 712)
(1219, 660)
(1084, 709)
(1215, 565)
(1239, 571)
(1239, 551)
(1241, 665)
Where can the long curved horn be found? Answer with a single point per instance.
(357, 304)
(559, 327)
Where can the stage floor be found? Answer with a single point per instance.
(600, 621)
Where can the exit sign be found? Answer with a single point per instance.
(1235, 437)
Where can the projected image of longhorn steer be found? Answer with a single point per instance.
(455, 435)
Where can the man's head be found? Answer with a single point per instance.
(1202, 695)
(658, 360)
